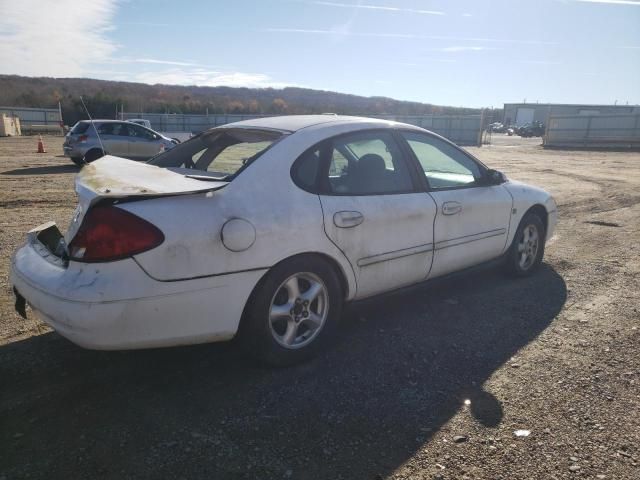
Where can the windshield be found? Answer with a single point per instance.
(219, 154)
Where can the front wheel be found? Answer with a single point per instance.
(527, 250)
(93, 155)
(292, 312)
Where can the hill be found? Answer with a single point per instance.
(103, 97)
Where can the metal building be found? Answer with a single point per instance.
(522, 113)
(35, 120)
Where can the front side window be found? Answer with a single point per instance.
(218, 154)
(367, 163)
(139, 132)
(444, 165)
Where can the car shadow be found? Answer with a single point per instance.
(402, 367)
(47, 170)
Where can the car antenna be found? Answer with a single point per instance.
(94, 127)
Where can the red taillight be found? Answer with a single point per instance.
(82, 138)
(110, 233)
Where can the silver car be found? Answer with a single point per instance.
(121, 139)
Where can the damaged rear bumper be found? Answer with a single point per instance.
(116, 305)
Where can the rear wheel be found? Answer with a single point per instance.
(78, 161)
(527, 250)
(292, 312)
(92, 155)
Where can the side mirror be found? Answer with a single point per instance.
(494, 177)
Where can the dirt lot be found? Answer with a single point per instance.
(556, 354)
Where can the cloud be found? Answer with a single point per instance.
(612, 2)
(144, 24)
(463, 49)
(408, 36)
(540, 62)
(158, 61)
(377, 7)
(60, 39)
(165, 62)
(424, 62)
(208, 78)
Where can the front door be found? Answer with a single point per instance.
(114, 139)
(143, 144)
(374, 212)
(472, 220)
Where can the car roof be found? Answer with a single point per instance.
(100, 120)
(293, 123)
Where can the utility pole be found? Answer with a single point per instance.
(60, 113)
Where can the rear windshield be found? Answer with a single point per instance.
(218, 154)
(80, 127)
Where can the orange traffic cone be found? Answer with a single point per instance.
(41, 148)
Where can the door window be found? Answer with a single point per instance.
(139, 132)
(367, 163)
(443, 164)
(110, 129)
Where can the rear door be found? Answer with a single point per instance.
(472, 219)
(374, 210)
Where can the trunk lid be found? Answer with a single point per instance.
(119, 178)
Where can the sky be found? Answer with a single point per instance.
(447, 52)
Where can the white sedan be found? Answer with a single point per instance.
(265, 228)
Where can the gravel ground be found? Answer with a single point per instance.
(430, 383)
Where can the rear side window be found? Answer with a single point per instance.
(305, 170)
(80, 128)
(362, 163)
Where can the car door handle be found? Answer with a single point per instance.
(347, 219)
(451, 208)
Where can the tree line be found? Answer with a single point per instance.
(103, 98)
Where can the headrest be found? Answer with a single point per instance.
(371, 162)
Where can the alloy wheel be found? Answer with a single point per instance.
(528, 245)
(298, 310)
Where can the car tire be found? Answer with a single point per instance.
(78, 161)
(527, 249)
(92, 155)
(293, 311)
